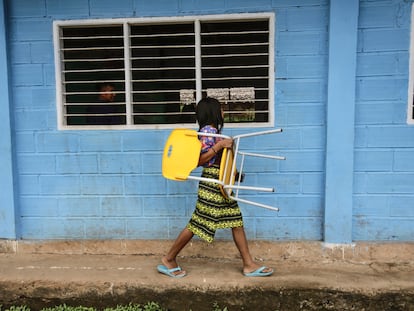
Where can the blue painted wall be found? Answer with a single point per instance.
(108, 184)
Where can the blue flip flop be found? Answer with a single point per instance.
(170, 272)
(259, 272)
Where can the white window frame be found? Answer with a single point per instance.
(410, 100)
(126, 21)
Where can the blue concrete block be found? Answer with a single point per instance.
(24, 142)
(313, 138)
(385, 40)
(36, 164)
(108, 8)
(147, 228)
(404, 160)
(175, 226)
(258, 4)
(390, 137)
(188, 187)
(307, 18)
(38, 207)
(360, 180)
(281, 68)
(49, 75)
(306, 115)
(79, 207)
(301, 90)
(201, 5)
(145, 185)
(28, 185)
(249, 226)
(31, 30)
(122, 206)
(258, 165)
(377, 113)
(44, 98)
(51, 228)
(297, 3)
(41, 52)
(313, 183)
(383, 229)
(63, 228)
(26, 120)
(144, 140)
(223, 234)
(289, 229)
(23, 97)
(100, 141)
(403, 229)
(371, 205)
(401, 206)
(300, 206)
(102, 185)
(299, 43)
(163, 206)
(303, 161)
(374, 16)
(31, 228)
(389, 183)
(403, 62)
(59, 185)
(281, 112)
(20, 53)
(288, 139)
(283, 183)
(27, 75)
(152, 162)
(105, 228)
(126, 163)
(302, 67)
(252, 211)
(156, 7)
(361, 136)
(373, 160)
(76, 164)
(62, 8)
(372, 64)
(26, 8)
(381, 89)
(57, 142)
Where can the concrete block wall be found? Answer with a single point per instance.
(108, 184)
(384, 143)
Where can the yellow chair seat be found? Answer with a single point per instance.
(181, 154)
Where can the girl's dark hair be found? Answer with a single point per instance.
(208, 112)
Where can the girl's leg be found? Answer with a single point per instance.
(240, 240)
(169, 260)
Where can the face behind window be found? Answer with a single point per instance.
(107, 93)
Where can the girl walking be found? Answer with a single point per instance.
(213, 211)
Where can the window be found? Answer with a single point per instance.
(410, 108)
(150, 72)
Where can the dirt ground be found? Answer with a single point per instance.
(37, 277)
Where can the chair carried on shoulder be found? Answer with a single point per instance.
(181, 156)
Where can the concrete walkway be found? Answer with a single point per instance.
(35, 277)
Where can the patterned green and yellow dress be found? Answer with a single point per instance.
(213, 211)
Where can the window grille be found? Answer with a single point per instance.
(157, 69)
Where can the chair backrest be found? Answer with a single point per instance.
(181, 154)
(225, 174)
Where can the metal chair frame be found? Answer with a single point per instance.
(175, 166)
